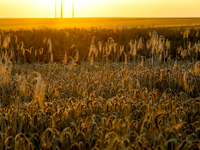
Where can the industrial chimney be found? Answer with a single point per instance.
(61, 9)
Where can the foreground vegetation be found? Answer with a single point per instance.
(70, 39)
(143, 94)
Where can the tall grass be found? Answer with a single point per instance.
(120, 96)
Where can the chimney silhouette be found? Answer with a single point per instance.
(73, 9)
(61, 9)
(55, 8)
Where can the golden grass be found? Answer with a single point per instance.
(103, 102)
(29, 23)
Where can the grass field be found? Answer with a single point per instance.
(100, 89)
(26, 23)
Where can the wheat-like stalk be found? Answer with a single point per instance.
(196, 68)
(0, 40)
(185, 83)
(101, 106)
(125, 58)
(41, 51)
(15, 39)
(93, 38)
(49, 44)
(5, 42)
(51, 57)
(76, 57)
(40, 90)
(23, 86)
(65, 57)
(92, 60)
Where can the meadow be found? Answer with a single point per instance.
(100, 88)
(87, 23)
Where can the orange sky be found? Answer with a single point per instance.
(100, 8)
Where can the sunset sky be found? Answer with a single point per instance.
(100, 8)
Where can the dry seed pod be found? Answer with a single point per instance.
(15, 39)
(23, 85)
(22, 45)
(92, 60)
(134, 53)
(65, 57)
(45, 40)
(110, 41)
(51, 59)
(168, 46)
(10, 55)
(121, 49)
(6, 53)
(23, 51)
(5, 42)
(40, 89)
(2, 55)
(41, 51)
(125, 58)
(29, 51)
(36, 52)
(100, 46)
(141, 43)
(49, 44)
(17, 47)
(76, 57)
(93, 39)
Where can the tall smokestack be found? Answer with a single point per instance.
(61, 9)
(73, 9)
(55, 8)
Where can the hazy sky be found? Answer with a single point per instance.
(100, 8)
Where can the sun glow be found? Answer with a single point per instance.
(81, 7)
(99, 8)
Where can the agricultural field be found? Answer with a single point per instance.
(26, 23)
(100, 88)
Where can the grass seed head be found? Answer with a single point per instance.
(15, 39)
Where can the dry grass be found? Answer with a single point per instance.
(115, 99)
(14, 24)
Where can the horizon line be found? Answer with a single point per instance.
(99, 17)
